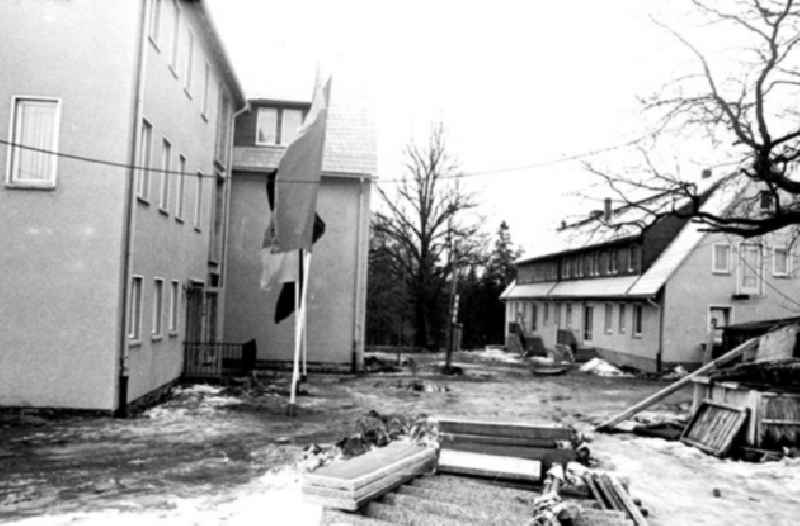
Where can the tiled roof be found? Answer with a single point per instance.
(593, 288)
(528, 290)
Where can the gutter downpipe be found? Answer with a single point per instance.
(660, 307)
(128, 223)
(358, 322)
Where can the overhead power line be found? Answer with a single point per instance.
(477, 173)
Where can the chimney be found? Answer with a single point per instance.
(706, 173)
(607, 209)
(563, 224)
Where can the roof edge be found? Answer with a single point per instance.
(222, 53)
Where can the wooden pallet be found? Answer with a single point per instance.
(347, 485)
(713, 427)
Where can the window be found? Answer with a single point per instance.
(204, 100)
(166, 156)
(155, 21)
(158, 307)
(633, 259)
(290, 124)
(557, 314)
(637, 320)
(765, 201)
(180, 185)
(267, 126)
(749, 268)
(609, 318)
(596, 264)
(188, 63)
(174, 298)
(721, 258)
(612, 262)
(135, 309)
(534, 317)
(546, 314)
(780, 261)
(144, 160)
(568, 315)
(35, 124)
(176, 30)
(198, 200)
(579, 267)
(588, 322)
(621, 319)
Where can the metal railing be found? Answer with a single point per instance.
(215, 360)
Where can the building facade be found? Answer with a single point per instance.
(115, 224)
(337, 276)
(653, 293)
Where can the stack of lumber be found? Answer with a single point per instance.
(609, 492)
(713, 427)
(348, 484)
(504, 450)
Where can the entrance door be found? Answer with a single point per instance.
(718, 319)
(194, 313)
(588, 322)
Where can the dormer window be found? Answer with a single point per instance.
(765, 201)
(277, 126)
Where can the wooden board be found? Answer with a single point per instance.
(543, 454)
(505, 429)
(493, 466)
(447, 438)
(713, 427)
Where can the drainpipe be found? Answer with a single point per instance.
(660, 308)
(357, 310)
(126, 259)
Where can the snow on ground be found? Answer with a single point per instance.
(213, 456)
(600, 367)
(494, 354)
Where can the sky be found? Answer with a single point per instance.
(515, 83)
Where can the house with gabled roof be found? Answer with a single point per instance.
(647, 287)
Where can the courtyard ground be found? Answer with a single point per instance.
(216, 456)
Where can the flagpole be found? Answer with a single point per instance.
(306, 279)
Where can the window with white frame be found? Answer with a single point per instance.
(198, 200)
(637, 320)
(612, 262)
(588, 322)
(206, 86)
(579, 267)
(291, 119)
(166, 176)
(154, 29)
(780, 261)
(34, 124)
(749, 268)
(721, 258)
(176, 31)
(621, 319)
(145, 144)
(158, 308)
(596, 264)
(174, 302)
(180, 186)
(568, 314)
(135, 309)
(188, 62)
(608, 315)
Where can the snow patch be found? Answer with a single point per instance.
(600, 367)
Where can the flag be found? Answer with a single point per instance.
(298, 177)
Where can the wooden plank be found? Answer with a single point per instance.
(633, 510)
(604, 483)
(505, 429)
(489, 465)
(373, 465)
(546, 455)
(663, 393)
(353, 499)
(446, 438)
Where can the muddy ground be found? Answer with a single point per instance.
(222, 456)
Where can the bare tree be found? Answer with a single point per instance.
(751, 113)
(420, 216)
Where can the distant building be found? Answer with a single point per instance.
(647, 290)
(107, 269)
(338, 273)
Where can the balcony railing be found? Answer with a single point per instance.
(217, 359)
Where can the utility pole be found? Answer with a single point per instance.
(453, 318)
